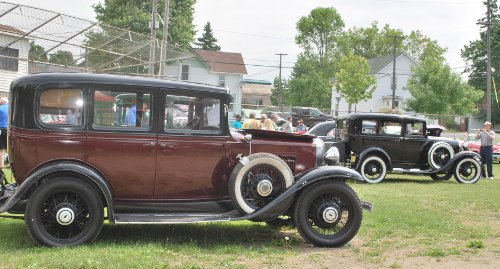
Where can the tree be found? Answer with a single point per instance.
(276, 94)
(135, 15)
(37, 53)
(435, 89)
(474, 55)
(353, 79)
(62, 57)
(311, 90)
(207, 41)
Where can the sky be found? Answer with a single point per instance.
(259, 29)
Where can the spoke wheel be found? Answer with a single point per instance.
(468, 171)
(440, 154)
(373, 169)
(64, 212)
(328, 214)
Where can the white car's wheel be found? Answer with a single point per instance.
(259, 181)
(468, 171)
(373, 169)
(439, 154)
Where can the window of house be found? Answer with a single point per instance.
(192, 114)
(9, 59)
(222, 80)
(122, 109)
(185, 72)
(61, 107)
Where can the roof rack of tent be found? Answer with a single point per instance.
(64, 43)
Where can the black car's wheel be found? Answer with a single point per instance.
(258, 182)
(444, 176)
(373, 169)
(328, 214)
(64, 212)
(439, 154)
(468, 171)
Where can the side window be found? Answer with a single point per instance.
(390, 128)
(415, 128)
(369, 127)
(192, 114)
(122, 109)
(61, 107)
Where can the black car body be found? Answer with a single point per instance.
(310, 115)
(375, 143)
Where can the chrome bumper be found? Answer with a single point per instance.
(367, 206)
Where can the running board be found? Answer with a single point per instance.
(412, 171)
(175, 218)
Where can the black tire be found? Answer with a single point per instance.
(373, 169)
(323, 200)
(440, 153)
(64, 212)
(467, 171)
(445, 176)
(258, 182)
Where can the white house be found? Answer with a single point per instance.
(381, 100)
(214, 68)
(13, 59)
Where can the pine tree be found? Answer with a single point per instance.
(207, 41)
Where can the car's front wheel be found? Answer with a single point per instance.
(64, 212)
(373, 169)
(328, 214)
(468, 171)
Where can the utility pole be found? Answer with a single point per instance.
(488, 61)
(393, 84)
(152, 46)
(163, 54)
(280, 95)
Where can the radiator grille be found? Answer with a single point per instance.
(289, 158)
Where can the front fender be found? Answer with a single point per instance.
(302, 180)
(66, 166)
(374, 150)
(461, 155)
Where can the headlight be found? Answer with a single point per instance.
(320, 149)
(332, 156)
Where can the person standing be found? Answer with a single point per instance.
(487, 137)
(288, 126)
(251, 122)
(301, 128)
(237, 122)
(4, 123)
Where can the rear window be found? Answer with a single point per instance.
(61, 107)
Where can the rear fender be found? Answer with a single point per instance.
(87, 173)
(374, 151)
(302, 180)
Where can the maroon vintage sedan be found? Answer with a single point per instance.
(156, 151)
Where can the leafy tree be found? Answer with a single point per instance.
(353, 79)
(421, 47)
(474, 55)
(37, 53)
(275, 91)
(207, 41)
(311, 90)
(62, 57)
(135, 15)
(435, 89)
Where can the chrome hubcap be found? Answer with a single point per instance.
(330, 214)
(265, 187)
(374, 169)
(443, 156)
(65, 216)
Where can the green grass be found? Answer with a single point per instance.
(424, 217)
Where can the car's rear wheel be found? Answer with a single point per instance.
(64, 212)
(328, 214)
(444, 176)
(468, 171)
(439, 154)
(259, 181)
(373, 169)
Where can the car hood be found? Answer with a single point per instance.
(264, 134)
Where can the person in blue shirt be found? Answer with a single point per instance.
(237, 122)
(130, 116)
(4, 123)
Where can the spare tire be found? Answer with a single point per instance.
(439, 154)
(257, 180)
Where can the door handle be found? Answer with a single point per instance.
(149, 145)
(165, 145)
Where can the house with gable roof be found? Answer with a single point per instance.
(225, 69)
(381, 100)
(14, 49)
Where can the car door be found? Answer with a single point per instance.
(414, 141)
(191, 161)
(122, 139)
(390, 138)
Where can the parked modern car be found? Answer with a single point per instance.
(375, 144)
(156, 151)
(310, 115)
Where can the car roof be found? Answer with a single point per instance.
(42, 78)
(354, 116)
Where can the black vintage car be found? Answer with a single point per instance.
(375, 144)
